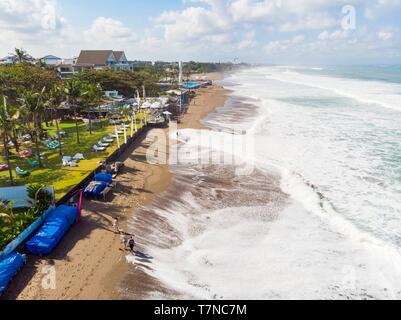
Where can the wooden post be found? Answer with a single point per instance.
(118, 138)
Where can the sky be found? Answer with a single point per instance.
(296, 32)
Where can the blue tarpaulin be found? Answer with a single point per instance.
(192, 85)
(9, 268)
(53, 230)
(95, 188)
(103, 177)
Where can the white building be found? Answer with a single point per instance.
(51, 60)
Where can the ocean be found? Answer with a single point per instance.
(318, 217)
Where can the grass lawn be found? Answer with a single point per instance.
(54, 174)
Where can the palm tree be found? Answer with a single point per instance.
(33, 105)
(21, 55)
(53, 100)
(73, 93)
(91, 96)
(7, 120)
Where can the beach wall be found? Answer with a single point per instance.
(113, 157)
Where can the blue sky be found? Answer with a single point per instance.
(268, 31)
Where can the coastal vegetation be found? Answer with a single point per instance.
(14, 221)
(42, 120)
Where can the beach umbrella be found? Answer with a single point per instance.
(146, 105)
(157, 105)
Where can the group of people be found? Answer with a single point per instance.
(127, 240)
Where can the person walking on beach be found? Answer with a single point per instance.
(131, 244)
(116, 226)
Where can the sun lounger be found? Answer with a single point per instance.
(33, 163)
(101, 144)
(22, 173)
(53, 145)
(78, 157)
(97, 148)
(107, 140)
(25, 153)
(71, 163)
(112, 135)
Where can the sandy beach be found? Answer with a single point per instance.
(89, 263)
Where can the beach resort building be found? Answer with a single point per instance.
(51, 60)
(66, 70)
(102, 59)
(10, 59)
(13, 59)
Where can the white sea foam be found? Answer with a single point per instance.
(339, 235)
(384, 94)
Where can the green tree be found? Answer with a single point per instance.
(21, 55)
(54, 98)
(17, 78)
(73, 93)
(32, 104)
(7, 120)
(91, 97)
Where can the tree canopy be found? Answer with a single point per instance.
(17, 78)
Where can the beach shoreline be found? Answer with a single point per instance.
(89, 263)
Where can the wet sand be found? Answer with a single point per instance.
(89, 263)
(175, 218)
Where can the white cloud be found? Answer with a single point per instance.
(29, 16)
(248, 41)
(104, 27)
(335, 35)
(214, 19)
(376, 8)
(206, 29)
(192, 24)
(385, 35)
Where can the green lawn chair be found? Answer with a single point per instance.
(22, 173)
(53, 145)
(33, 163)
